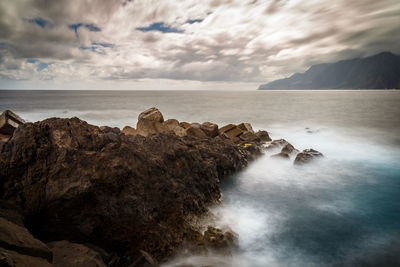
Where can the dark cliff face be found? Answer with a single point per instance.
(376, 72)
(122, 193)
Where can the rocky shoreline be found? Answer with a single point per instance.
(74, 194)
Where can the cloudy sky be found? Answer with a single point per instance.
(184, 44)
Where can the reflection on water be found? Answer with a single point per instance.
(340, 211)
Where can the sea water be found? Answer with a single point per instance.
(343, 210)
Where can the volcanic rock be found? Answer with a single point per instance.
(307, 156)
(9, 121)
(151, 114)
(122, 193)
(264, 136)
(246, 127)
(129, 131)
(210, 129)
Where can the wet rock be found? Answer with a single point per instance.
(107, 129)
(234, 132)
(277, 144)
(307, 156)
(219, 241)
(283, 155)
(210, 129)
(9, 121)
(73, 181)
(246, 127)
(289, 149)
(130, 131)
(66, 254)
(151, 114)
(249, 137)
(264, 136)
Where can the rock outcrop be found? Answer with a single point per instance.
(74, 181)
(307, 156)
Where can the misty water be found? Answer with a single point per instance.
(342, 210)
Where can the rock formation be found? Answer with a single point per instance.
(307, 156)
(98, 196)
(78, 182)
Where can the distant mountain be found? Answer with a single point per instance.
(376, 72)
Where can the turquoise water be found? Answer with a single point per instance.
(343, 210)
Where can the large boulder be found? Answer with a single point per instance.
(307, 156)
(151, 114)
(73, 181)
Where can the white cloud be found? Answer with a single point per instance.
(235, 41)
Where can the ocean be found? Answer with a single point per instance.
(343, 210)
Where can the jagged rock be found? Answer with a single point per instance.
(289, 149)
(234, 132)
(120, 192)
(246, 127)
(219, 241)
(226, 128)
(9, 121)
(306, 156)
(66, 254)
(210, 129)
(283, 155)
(107, 129)
(129, 131)
(151, 114)
(249, 137)
(195, 131)
(277, 144)
(264, 136)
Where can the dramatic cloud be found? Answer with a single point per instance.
(101, 42)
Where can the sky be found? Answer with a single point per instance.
(184, 44)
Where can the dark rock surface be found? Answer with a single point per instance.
(74, 181)
(307, 156)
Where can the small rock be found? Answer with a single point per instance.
(226, 128)
(195, 132)
(277, 144)
(306, 156)
(246, 127)
(264, 136)
(234, 132)
(249, 137)
(289, 149)
(210, 129)
(184, 125)
(129, 131)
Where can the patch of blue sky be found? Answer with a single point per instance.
(161, 27)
